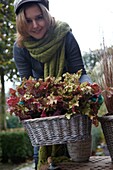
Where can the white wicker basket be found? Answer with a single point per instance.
(57, 129)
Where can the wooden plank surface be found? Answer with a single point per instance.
(95, 163)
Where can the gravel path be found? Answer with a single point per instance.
(24, 166)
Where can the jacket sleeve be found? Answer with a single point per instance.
(74, 61)
(22, 61)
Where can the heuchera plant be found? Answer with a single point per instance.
(65, 95)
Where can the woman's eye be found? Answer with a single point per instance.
(29, 21)
(37, 18)
(40, 17)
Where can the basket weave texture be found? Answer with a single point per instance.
(80, 151)
(107, 127)
(57, 129)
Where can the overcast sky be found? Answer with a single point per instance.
(90, 20)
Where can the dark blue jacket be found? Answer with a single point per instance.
(28, 66)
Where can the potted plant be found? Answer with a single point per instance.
(56, 110)
(106, 82)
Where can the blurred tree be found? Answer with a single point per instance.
(13, 122)
(7, 66)
(91, 58)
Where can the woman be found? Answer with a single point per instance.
(44, 47)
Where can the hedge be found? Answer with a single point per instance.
(15, 146)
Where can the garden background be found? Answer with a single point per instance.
(15, 146)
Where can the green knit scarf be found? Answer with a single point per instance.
(51, 49)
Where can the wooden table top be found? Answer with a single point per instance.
(95, 163)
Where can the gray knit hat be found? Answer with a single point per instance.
(18, 4)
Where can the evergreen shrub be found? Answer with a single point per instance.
(15, 146)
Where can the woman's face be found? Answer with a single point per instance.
(36, 24)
